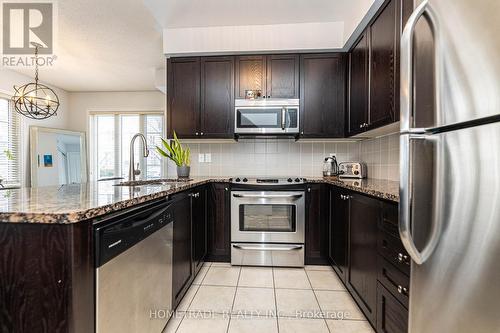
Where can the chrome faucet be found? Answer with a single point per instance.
(132, 172)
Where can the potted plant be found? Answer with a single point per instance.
(179, 155)
(10, 157)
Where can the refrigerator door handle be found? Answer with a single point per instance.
(405, 205)
(406, 67)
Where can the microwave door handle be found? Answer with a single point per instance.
(283, 118)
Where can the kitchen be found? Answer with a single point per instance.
(326, 167)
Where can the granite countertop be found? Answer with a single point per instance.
(79, 202)
(379, 188)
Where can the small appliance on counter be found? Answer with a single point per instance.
(330, 167)
(352, 170)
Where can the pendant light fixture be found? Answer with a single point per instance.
(35, 100)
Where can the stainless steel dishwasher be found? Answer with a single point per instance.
(134, 270)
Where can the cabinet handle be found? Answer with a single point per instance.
(201, 133)
(402, 290)
(196, 133)
(402, 258)
(226, 189)
(308, 189)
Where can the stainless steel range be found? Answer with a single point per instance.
(268, 221)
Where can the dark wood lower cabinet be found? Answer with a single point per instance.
(392, 316)
(316, 242)
(219, 222)
(364, 215)
(46, 278)
(199, 216)
(338, 231)
(182, 262)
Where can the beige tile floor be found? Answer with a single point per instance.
(231, 299)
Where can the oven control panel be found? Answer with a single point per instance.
(268, 181)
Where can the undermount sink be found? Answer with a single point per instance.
(154, 182)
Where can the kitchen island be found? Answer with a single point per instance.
(47, 250)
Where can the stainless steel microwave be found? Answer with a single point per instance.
(266, 116)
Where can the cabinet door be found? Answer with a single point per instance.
(358, 94)
(219, 241)
(183, 97)
(322, 93)
(316, 225)
(182, 267)
(384, 90)
(364, 214)
(199, 213)
(217, 97)
(338, 231)
(250, 74)
(392, 316)
(282, 76)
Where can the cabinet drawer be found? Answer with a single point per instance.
(392, 249)
(390, 219)
(392, 316)
(395, 281)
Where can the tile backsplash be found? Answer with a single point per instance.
(271, 157)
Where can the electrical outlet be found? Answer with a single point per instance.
(208, 158)
(201, 158)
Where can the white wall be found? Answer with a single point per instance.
(9, 78)
(254, 38)
(81, 103)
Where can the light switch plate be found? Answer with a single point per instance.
(201, 158)
(208, 158)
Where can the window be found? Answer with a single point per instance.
(9, 143)
(110, 146)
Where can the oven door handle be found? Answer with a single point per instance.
(266, 196)
(270, 248)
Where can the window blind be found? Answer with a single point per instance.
(9, 141)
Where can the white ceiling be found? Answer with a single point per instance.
(105, 45)
(116, 45)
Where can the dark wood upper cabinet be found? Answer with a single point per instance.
(383, 72)
(219, 231)
(338, 231)
(322, 94)
(374, 69)
(250, 74)
(316, 242)
(276, 76)
(364, 215)
(358, 92)
(183, 96)
(217, 97)
(282, 76)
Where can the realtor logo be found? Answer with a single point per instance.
(26, 23)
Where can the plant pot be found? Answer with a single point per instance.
(183, 171)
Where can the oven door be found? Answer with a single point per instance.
(268, 216)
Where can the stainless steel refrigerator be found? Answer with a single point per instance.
(450, 165)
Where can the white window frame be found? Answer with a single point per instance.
(15, 147)
(117, 132)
